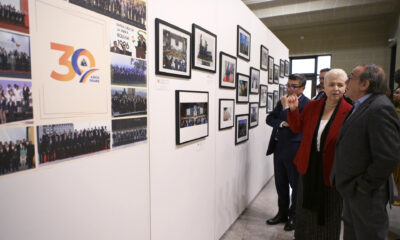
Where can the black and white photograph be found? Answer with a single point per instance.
(173, 50)
(270, 70)
(128, 40)
(191, 115)
(72, 140)
(276, 98)
(204, 49)
(263, 95)
(243, 43)
(241, 128)
(264, 58)
(15, 56)
(276, 74)
(17, 149)
(254, 80)
(14, 15)
(227, 70)
(270, 102)
(242, 88)
(253, 112)
(281, 68)
(15, 101)
(226, 113)
(287, 68)
(128, 71)
(129, 131)
(282, 90)
(128, 101)
(129, 11)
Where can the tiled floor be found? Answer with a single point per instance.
(251, 224)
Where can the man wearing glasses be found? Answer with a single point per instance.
(321, 94)
(284, 144)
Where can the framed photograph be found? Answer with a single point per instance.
(128, 101)
(286, 68)
(226, 113)
(15, 16)
(242, 128)
(263, 96)
(282, 90)
(281, 68)
(253, 111)
(270, 102)
(270, 70)
(172, 50)
(128, 131)
(227, 70)
(254, 80)
(191, 115)
(204, 49)
(276, 98)
(242, 88)
(243, 43)
(276, 74)
(264, 58)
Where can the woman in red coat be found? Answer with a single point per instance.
(319, 205)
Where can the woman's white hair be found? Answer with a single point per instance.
(335, 73)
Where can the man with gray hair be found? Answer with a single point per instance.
(367, 152)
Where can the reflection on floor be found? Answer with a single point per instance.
(251, 224)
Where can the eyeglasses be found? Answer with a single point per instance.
(293, 86)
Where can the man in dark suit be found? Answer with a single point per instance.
(115, 48)
(284, 144)
(367, 152)
(321, 94)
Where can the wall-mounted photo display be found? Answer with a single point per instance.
(243, 43)
(127, 40)
(191, 115)
(72, 140)
(204, 49)
(226, 113)
(15, 15)
(282, 90)
(281, 68)
(276, 74)
(227, 70)
(286, 68)
(276, 97)
(129, 11)
(242, 88)
(17, 149)
(264, 58)
(128, 131)
(270, 102)
(128, 71)
(253, 112)
(263, 96)
(128, 101)
(15, 55)
(270, 70)
(254, 80)
(172, 50)
(241, 128)
(16, 101)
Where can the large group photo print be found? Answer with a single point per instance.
(15, 101)
(129, 131)
(128, 101)
(128, 71)
(14, 15)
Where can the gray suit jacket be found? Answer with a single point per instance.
(367, 149)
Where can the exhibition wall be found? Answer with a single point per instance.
(108, 185)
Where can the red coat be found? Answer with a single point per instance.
(306, 124)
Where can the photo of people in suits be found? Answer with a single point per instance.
(129, 130)
(193, 114)
(128, 71)
(127, 40)
(15, 101)
(128, 101)
(14, 15)
(175, 52)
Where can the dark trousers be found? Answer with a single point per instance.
(286, 175)
(365, 216)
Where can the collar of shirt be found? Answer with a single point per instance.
(360, 100)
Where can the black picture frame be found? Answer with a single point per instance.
(270, 102)
(287, 68)
(264, 54)
(242, 88)
(200, 54)
(280, 90)
(253, 116)
(263, 97)
(243, 38)
(241, 121)
(254, 80)
(276, 97)
(224, 103)
(165, 63)
(276, 74)
(195, 125)
(270, 69)
(227, 61)
(281, 68)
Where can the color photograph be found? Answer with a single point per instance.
(129, 131)
(253, 110)
(14, 15)
(226, 113)
(204, 47)
(243, 43)
(227, 70)
(254, 80)
(15, 101)
(128, 71)
(263, 96)
(128, 40)
(242, 90)
(264, 58)
(128, 101)
(242, 128)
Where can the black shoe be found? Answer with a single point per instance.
(277, 219)
(289, 226)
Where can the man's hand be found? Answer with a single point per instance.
(285, 124)
(293, 102)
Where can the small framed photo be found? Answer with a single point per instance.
(191, 115)
(242, 128)
(243, 43)
(280, 90)
(263, 96)
(270, 70)
(204, 49)
(254, 80)
(226, 113)
(276, 74)
(264, 58)
(242, 88)
(227, 70)
(281, 68)
(172, 50)
(276, 97)
(253, 110)
(286, 68)
(270, 102)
